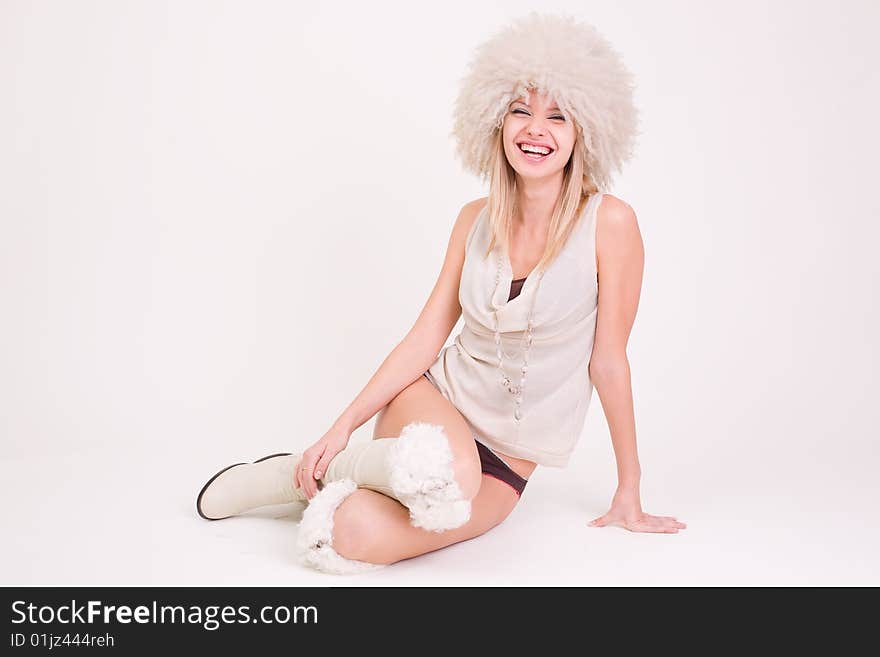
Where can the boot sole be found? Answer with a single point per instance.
(228, 467)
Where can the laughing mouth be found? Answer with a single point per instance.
(532, 154)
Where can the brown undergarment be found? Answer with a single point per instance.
(516, 287)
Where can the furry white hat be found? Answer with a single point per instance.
(556, 55)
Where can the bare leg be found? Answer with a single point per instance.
(372, 527)
(353, 529)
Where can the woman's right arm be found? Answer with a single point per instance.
(408, 360)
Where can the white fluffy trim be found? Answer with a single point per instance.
(569, 60)
(423, 479)
(314, 542)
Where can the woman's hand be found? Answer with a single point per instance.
(626, 511)
(316, 458)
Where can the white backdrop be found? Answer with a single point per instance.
(217, 219)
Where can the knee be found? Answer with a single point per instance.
(465, 461)
(468, 470)
(353, 536)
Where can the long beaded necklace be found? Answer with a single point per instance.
(515, 390)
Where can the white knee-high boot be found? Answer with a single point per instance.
(415, 468)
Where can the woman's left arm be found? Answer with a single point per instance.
(621, 257)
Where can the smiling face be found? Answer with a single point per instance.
(544, 130)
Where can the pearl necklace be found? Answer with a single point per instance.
(516, 390)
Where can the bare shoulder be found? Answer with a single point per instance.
(478, 203)
(463, 223)
(617, 230)
(616, 214)
(472, 208)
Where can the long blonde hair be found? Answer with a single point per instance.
(577, 187)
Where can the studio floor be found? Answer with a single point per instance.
(103, 516)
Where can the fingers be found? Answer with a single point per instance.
(657, 524)
(324, 463)
(673, 519)
(309, 483)
(648, 523)
(306, 471)
(652, 529)
(667, 521)
(306, 480)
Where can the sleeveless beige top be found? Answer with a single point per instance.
(557, 390)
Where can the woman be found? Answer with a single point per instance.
(544, 115)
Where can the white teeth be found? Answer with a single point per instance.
(541, 150)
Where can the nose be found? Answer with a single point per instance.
(535, 127)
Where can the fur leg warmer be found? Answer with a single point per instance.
(314, 542)
(423, 479)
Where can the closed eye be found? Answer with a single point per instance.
(519, 109)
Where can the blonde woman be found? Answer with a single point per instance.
(545, 115)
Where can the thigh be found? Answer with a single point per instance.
(420, 401)
(370, 526)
